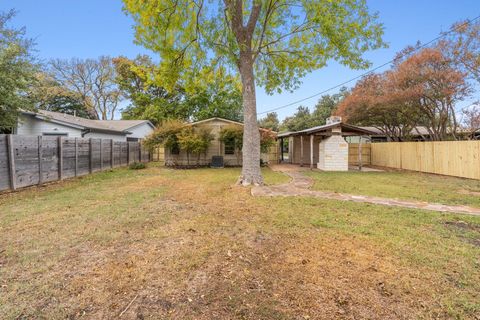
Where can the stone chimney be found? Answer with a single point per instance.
(334, 119)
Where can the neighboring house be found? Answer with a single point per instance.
(419, 133)
(323, 146)
(48, 123)
(217, 148)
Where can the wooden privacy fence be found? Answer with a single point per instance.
(32, 160)
(272, 156)
(452, 158)
(158, 155)
(355, 152)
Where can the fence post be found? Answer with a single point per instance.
(112, 154)
(76, 157)
(128, 153)
(11, 163)
(301, 151)
(101, 154)
(40, 178)
(60, 158)
(90, 151)
(139, 152)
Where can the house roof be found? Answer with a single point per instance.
(328, 127)
(113, 126)
(215, 118)
(416, 131)
(224, 120)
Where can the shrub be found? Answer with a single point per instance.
(165, 134)
(194, 141)
(267, 140)
(136, 166)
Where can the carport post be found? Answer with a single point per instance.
(281, 148)
(311, 151)
(360, 154)
(301, 151)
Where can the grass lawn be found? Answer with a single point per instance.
(401, 184)
(189, 244)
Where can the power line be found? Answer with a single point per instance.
(373, 69)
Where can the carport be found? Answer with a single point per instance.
(323, 146)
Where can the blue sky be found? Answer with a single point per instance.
(91, 28)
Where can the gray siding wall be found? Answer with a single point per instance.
(140, 131)
(30, 126)
(101, 135)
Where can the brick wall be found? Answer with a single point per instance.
(333, 154)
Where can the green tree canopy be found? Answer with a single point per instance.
(47, 94)
(326, 106)
(302, 119)
(17, 71)
(194, 141)
(210, 94)
(270, 121)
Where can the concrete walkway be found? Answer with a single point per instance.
(300, 186)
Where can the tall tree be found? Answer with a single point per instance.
(471, 118)
(326, 105)
(140, 82)
(49, 95)
(420, 89)
(429, 80)
(211, 94)
(272, 43)
(302, 119)
(93, 81)
(17, 72)
(376, 101)
(270, 121)
(214, 93)
(462, 46)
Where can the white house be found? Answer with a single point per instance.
(48, 123)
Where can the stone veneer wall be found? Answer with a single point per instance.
(333, 154)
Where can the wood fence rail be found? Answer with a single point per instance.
(34, 160)
(452, 158)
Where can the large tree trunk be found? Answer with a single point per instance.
(251, 173)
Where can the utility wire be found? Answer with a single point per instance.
(373, 69)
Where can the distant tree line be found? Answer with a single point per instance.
(422, 88)
(303, 118)
(105, 87)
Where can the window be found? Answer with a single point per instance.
(175, 149)
(55, 134)
(230, 146)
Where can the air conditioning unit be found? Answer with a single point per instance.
(217, 162)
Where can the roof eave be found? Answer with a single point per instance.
(64, 123)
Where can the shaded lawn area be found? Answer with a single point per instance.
(189, 244)
(404, 185)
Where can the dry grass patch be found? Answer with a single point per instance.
(189, 244)
(406, 185)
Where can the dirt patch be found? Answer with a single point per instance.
(462, 225)
(469, 192)
(468, 232)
